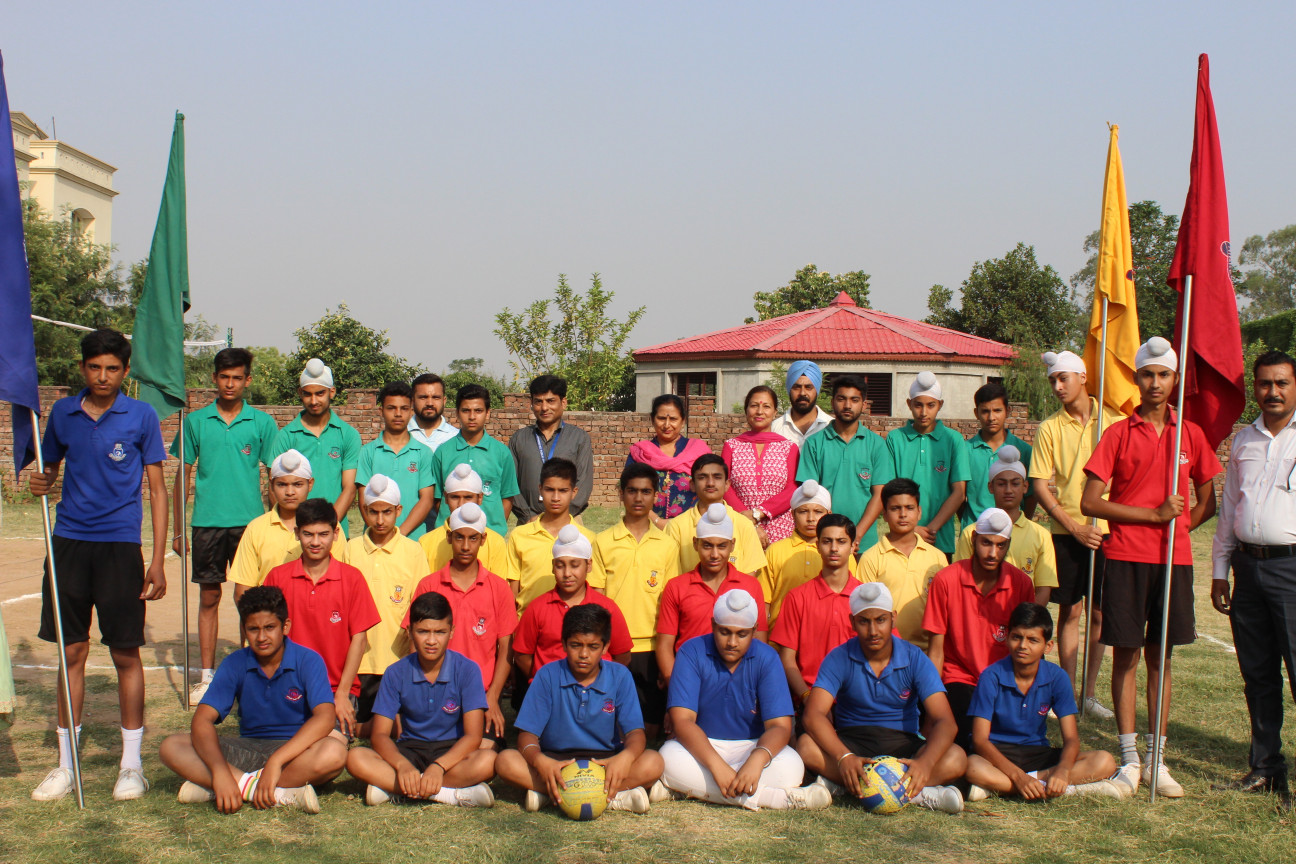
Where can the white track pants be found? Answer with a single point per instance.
(685, 774)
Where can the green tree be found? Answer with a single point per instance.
(1250, 351)
(354, 352)
(272, 383)
(585, 345)
(810, 289)
(1269, 282)
(468, 370)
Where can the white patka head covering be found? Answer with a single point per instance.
(810, 492)
(715, 522)
(468, 516)
(1063, 361)
(463, 479)
(571, 543)
(994, 522)
(871, 595)
(1007, 459)
(1157, 351)
(925, 384)
(382, 488)
(291, 464)
(316, 373)
(735, 608)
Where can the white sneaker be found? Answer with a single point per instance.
(197, 692)
(57, 784)
(833, 789)
(1094, 708)
(475, 796)
(812, 797)
(1104, 788)
(533, 801)
(131, 784)
(192, 793)
(659, 792)
(976, 793)
(1126, 778)
(632, 800)
(375, 795)
(945, 799)
(1165, 785)
(301, 797)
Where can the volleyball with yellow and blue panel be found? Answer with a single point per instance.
(582, 796)
(882, 789)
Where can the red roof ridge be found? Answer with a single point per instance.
(842, 299)
(904, 331)
(782, 335)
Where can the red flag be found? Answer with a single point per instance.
(1214, 388)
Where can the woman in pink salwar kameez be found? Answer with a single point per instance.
(762, 469)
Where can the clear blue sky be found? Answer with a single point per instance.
(429, 164)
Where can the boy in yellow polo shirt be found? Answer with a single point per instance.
(1031, 547)
(464, 485)
(794, 561)
(710, 481)
(269, 539)
(902, 560)
(392, 565)
(529, 563)
(635, 559)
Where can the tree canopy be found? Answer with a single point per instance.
(357, 354)
(1269, 277)
(810, 289)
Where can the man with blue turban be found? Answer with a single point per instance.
(804, 417)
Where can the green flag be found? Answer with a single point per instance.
(157, 345)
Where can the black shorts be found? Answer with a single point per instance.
(212, 551)
(872, 741)
(249, 754)
(1073, 572)
(564, 755)
(1030, 757)
(369, 682)
(960, 700)
(100, 576)
(1133, 603)
(422, 754)
(652, 698)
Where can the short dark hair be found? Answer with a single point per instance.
(669, 399)
(313, 511)
(900, 486)
(989, 392)
(232, 358)
(708, 459)
(760, 388)
(1028, 616)
(262, 598)
(100, 342)
(837, 520)
(543, 384)
(396, 388)
(472, 391)
(636, 470)
(427, 378)
(587, 618)
(430, 605)
(853, 382)
(563, 469)
(1274, 358)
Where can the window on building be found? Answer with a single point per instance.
(685, 384)
(83, 223)
(877, 390)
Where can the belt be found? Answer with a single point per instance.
(1264, 553)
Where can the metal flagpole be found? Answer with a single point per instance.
(1093, 554)
(58, 621)
(184, 562)
(1170, 544)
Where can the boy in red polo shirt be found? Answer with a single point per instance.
(968, 607)
(329, 604)
(815, 617)
(539, 634)
(1134, 461)
(687, 601)
(484, 609)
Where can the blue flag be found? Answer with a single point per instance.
(17, 340)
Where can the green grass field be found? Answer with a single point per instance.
(1207, 741)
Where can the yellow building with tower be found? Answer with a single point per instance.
(67, 183)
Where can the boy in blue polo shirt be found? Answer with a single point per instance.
(581, 707)
(285, 716)
(109, 442)
(1010, 723)
(866, 703)
(438, 695)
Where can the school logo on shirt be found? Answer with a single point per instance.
(1043, 710)
(335, 452)
(293, 695)
(480, 627)
(450, 707)
(1001, 633)
(866, 475)
(940, 466)
(609, 707)
(336, 618)
(486, 489)
(906, 693)
(413, 468)
(398, 597)
(247, 450)
(1029, 566)
(1183, 459)
(652, 579)
(117, 453)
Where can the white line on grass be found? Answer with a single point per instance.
(46, 668)
(1220, 642)
(17, 599)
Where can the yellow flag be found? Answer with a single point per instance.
(1115, 282)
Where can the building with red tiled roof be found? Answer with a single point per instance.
(886, 350)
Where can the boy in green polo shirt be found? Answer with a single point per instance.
(396, 454)
(491, 459)
(935, 457)
(991, 401)
(329, 443)
(229, 441)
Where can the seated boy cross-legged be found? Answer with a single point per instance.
(438, 695)
(880, 682)
(582, 707)
(1010, 723)
(285, 717)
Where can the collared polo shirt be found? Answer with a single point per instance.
(266, 543)
(1062, 447)
(530, 560)
(980, 456)
(483, 615)
(815, 620)
(783, 425)
(1017, 718)
(274, 707)
(411, 468)
(492, 461)
(975, 625)
(907, 577)
(103, 467)
(566, 716)
(438, 436)
(891, 699)
(634, 574)
(325, 615)
(789, 564)
(493, 553)
(935, 460)
(730, 706)
(748, 555)
(539, 632)
(687, 602)
(391, 571)
(430, 710)
(1030, 550)
(530, 451)
(1136, 462)
(333, 451)
(227, 482)
(849, 470)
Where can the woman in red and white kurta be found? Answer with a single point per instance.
(762, 469)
